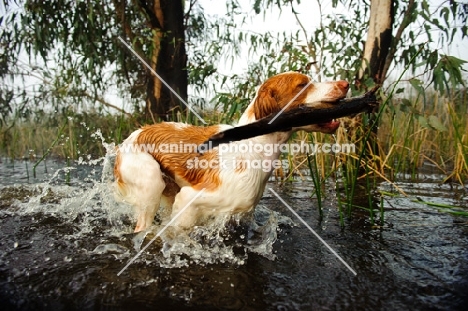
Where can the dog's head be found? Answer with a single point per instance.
(292, 89)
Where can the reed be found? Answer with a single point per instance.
(425, 131)
(417, 132)
(66, 136)
(413, 132)
(317, 182)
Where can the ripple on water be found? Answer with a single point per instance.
(63, 245)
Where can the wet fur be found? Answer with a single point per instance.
(148, 180)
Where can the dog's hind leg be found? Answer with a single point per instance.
(140, 183)
(193, 207)
(186, 202)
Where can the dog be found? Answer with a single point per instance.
(148, 176)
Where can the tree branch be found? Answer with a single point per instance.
(312, 52)
(297, 117)
(187, 14)
(104, 102)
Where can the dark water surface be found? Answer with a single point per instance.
(62, 245)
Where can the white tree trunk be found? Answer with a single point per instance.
(378, 41)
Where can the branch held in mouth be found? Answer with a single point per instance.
(297, 117)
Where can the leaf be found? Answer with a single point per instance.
(445, 12)
(435, 123)
(417, 84)
(432, 59)
(257, 6)
(454, 61)
(453, 67)
(422, 120)
(425, 6)
(408, 107)
(438, 79)
(405, 105)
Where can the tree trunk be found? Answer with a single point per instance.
(376, 52)
(168, 59)
(379, 40)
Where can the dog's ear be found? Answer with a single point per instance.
(265, 103)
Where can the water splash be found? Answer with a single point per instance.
(227, 239)
(91, 217)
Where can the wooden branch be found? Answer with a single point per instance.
(103, 102)
(189, 11)
(296, 117)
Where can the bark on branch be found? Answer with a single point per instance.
(297, 117)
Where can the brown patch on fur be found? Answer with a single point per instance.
(117, 175)
(181, 163)
(278, 91)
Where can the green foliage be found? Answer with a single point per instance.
(81, 39)
(331, 51)
(6, 97)
(76, 35)
(447, 73)
(66, 134)
(73, 49)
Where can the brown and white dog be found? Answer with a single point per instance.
(148, 176)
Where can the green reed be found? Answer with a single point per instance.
(421, 129)
(316, 180)
(67, 135)
(47, 152)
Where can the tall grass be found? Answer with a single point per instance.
(413, 133)
(427, 131)
(432, 133)
(68, 135)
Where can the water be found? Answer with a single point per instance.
(64, 239)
